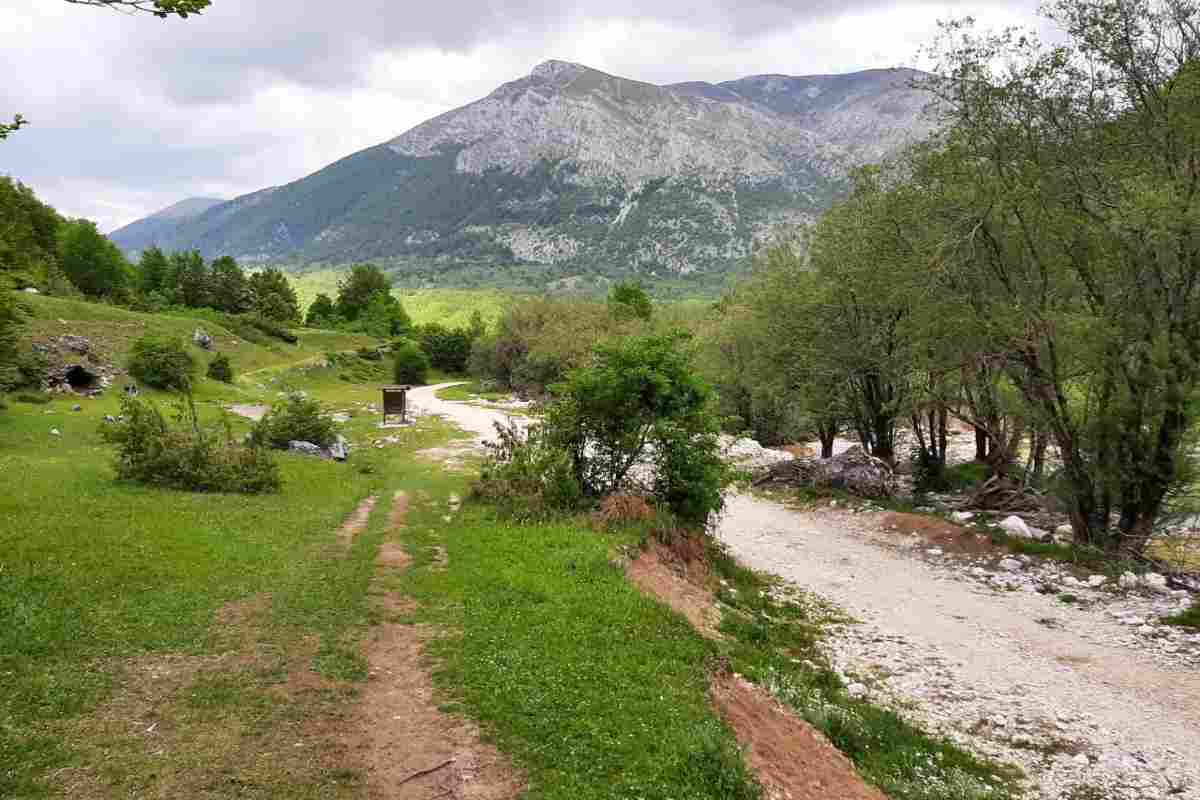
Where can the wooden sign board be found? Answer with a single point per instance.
(395, 403)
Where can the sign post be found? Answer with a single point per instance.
(395, 403)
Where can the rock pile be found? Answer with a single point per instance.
(853, 471)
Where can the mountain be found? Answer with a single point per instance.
(569, 176)
(160, 226)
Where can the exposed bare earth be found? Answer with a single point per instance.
(985, 667)
(789, 757)
(410, 750)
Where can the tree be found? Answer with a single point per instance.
(357, 289)
(272, 296)
(384, 317)
(28, 236)
(1068, 179)
(321, 312)
(91, 262)
(154, 272)
(628, 300)
(191, 279)
(230, 291)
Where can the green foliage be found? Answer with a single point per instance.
(159, 8)
(272, 296)
(191, 279)
(539, 340)
(8, 128)
(527, 476)
(628, 300)
(92, 263)
(448, 350)
(409, 362)
(1186, 619)
(383, 317)
(296, 418)
(162, 362)
(28, 237)
(220, 369)
(359, 288)
(155, 273)
(321, 313)
(185, 455)
(10, 371)
(229, 289)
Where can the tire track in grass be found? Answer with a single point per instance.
(409, 748)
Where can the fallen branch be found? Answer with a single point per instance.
(423, 772)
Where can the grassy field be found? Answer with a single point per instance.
(450, 307)
(156, 643)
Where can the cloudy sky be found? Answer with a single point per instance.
(130, 113)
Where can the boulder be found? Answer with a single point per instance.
(1128, 580)
(749, 455)
(1015, 526)
(340, 449)
(853, 471)
(962, 516)
(1155, 583)
(30, 290)
(1010, 565)
(201, 339)
(305, 448)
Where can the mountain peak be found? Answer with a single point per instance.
(554, 69)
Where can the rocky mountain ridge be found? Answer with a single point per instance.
(569, 176)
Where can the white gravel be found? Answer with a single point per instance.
(984, 667)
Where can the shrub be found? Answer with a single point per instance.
(448, 350)
(295, 419)
(32, 368)
(33, 398)
(410, 364)
(162, 362)
(639, 400)
(185, 455)
(527, 476)
(219, 369)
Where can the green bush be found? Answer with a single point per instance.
(162, 362)
(638, 402)
(219, 369)
(295, 419)
(410, 363)
(527, 476)
(32, 368)
(448, 350)
(33, 398)
(185, 455)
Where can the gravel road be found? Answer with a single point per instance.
(985, 667)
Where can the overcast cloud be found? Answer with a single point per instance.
(130, 113)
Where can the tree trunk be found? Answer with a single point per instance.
(981, 443)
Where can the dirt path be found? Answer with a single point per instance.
(410, 749)
(980, 665)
